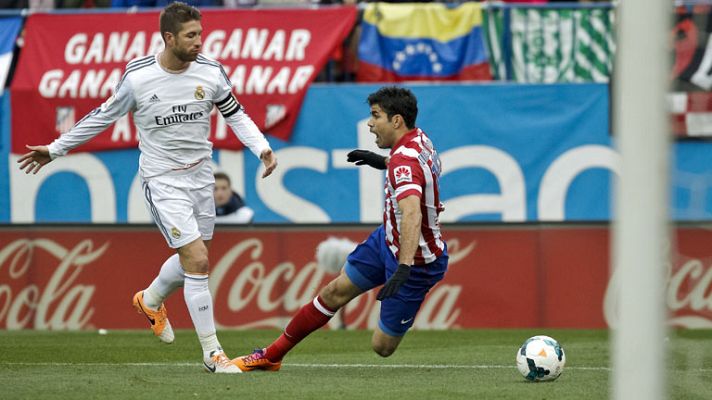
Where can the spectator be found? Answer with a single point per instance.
(229, 206)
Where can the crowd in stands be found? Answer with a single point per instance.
(65, 4)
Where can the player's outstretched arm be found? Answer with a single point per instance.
(269, 160)
(33, 161)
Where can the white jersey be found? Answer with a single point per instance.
(171, 112)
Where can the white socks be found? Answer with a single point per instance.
(200, 305)
(168, 280)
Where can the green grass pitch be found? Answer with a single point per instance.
(457, 364)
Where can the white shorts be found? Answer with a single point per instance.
(182, 204)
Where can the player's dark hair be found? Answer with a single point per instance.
(176, 14)
(395, 100)
(222, 175)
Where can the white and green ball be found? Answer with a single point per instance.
(541, 358)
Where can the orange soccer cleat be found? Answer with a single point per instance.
(158, 319)
(255, 361)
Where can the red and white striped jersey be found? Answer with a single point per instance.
(414, 169)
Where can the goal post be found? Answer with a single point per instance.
(641, 226)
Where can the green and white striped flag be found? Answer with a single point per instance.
(553, 45)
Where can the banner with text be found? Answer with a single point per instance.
(271, 56)
(61, 278)
(510, 153)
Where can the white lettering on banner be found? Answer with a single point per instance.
(61, 303)
(562, 172)
(263, 80)
(276, 196)
(257, 44)
(102, 193)
(75, 48)
(94, 83)
(274, 193)
(703, 76)
(119, 47)
(511, 203)
(688, 295)
(256, 287)
(97, 84)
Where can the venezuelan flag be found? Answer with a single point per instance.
(422, 41)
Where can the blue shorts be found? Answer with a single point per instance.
(372, 263)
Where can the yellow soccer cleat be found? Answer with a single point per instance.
(158, 319)
(255, 361)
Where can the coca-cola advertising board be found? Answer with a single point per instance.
(56, 278)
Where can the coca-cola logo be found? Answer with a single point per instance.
(61, 302)
(687, 294)
(45, 285)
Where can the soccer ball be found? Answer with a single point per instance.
(541, 358)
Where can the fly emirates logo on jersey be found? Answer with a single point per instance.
(179, 115)
(258, 61)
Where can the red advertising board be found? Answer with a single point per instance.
(513, 277)
(70, 64)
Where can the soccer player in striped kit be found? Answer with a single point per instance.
(406, 254)
(171, 95)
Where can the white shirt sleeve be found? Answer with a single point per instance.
(248, 133)
(96, 121)
(240, 123)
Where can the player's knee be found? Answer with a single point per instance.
(331, 296)
(197, 263)
(336, 295)
(201, 265)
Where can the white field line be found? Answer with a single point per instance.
(287, 365)
(295, 365)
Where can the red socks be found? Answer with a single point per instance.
(309, 318)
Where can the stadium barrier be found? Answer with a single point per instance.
(523, 276)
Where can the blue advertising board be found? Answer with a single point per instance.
(510, 153)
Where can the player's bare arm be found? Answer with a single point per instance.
(270, 162)
(410, 228)
(33, 161)
(410, 235)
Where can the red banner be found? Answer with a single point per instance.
(498, 278)
(71, 63)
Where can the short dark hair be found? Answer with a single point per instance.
(176, 14)
(396, 100)
(222, 175)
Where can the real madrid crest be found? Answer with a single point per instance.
(174, 231)
(199, 93)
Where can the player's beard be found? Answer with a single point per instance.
(185, 56)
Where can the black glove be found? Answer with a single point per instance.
(361, 157)
(397, 280)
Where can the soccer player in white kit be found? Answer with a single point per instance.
(171, 95)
